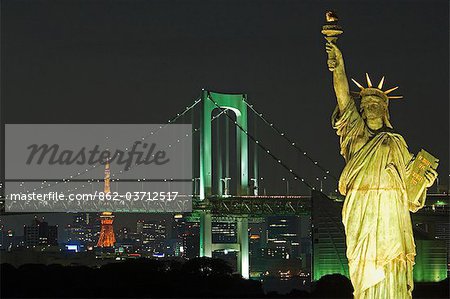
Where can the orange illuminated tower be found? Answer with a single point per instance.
(107, 238)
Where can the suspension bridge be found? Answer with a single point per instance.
(233, 188)
(214, 198)
(227, 181)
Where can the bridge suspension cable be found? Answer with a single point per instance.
(266, 150)
(90, 181)
(195, 130)
(222, 111)
(290, 141)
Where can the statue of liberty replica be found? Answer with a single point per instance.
(382, 183)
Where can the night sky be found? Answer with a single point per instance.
(144, 61)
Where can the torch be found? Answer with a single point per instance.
(331, 30)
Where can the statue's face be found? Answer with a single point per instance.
(372, 107)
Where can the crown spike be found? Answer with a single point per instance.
(395, 97)
(390, 90)
(380, 85)
(357, 84)
(369, 83)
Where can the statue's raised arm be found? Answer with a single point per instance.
(340, 82)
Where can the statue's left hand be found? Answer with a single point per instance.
(430, 176)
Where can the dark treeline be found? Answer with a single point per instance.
(199, 277)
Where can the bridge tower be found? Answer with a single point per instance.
(107, 238)
(235, 103)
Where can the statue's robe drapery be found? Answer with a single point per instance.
(380, 244)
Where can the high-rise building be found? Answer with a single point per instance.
(329, 247)
(282, 237)
(83, 231)
(178, 226)
(139, 226)
(305, 242)
(39, 233)
(175, 237)
(154, 237)
(191, 240)
(224, 232)
(257, 239)
(433, 220)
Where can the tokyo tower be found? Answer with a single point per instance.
(107, 238)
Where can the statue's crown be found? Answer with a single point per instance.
(376, 91)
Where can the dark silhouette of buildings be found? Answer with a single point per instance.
(39, 233)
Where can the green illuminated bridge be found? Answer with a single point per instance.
(228, 184)
(247, 203)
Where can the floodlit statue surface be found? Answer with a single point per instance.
(375, 181)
